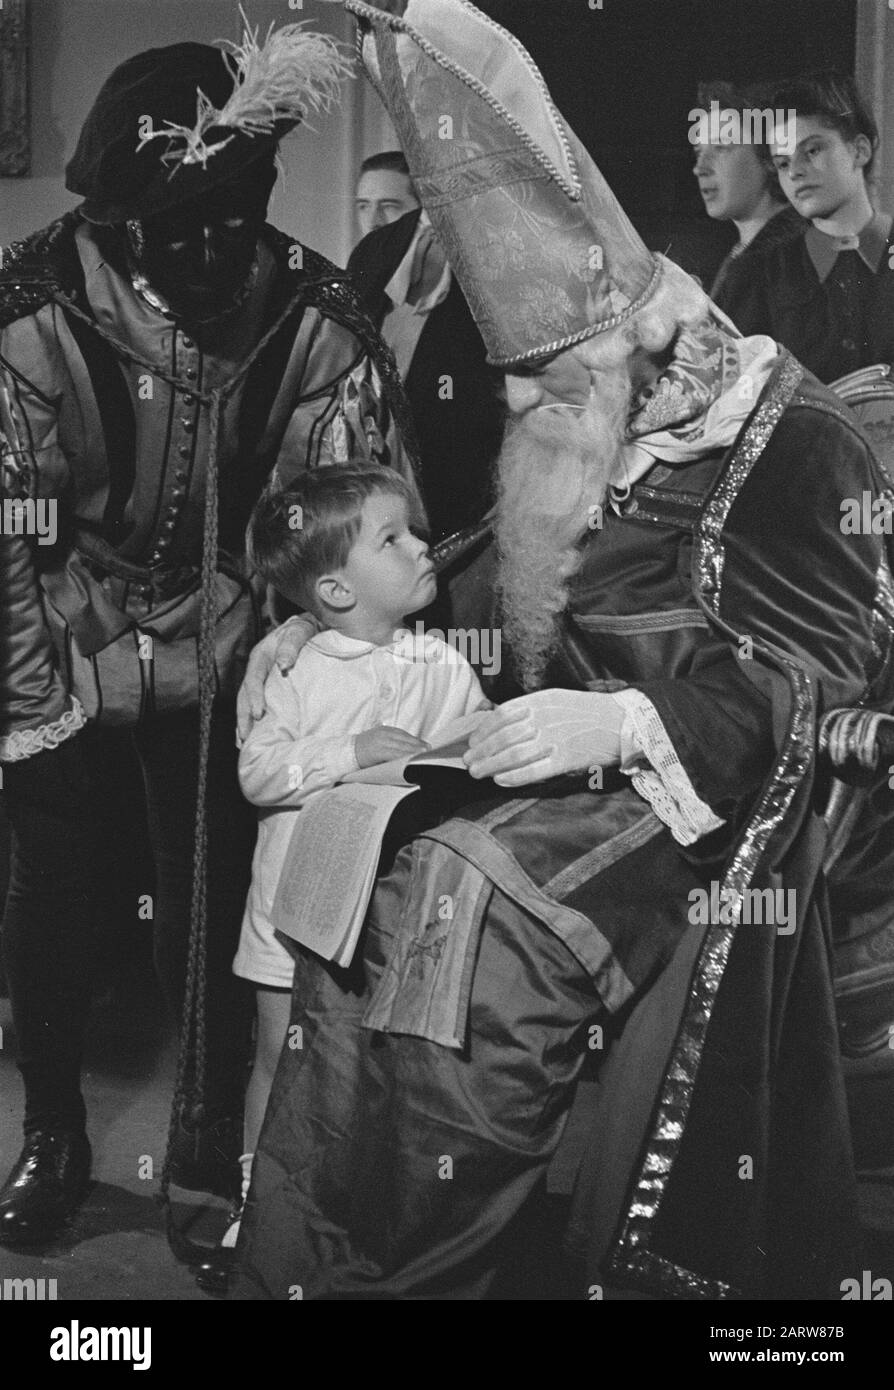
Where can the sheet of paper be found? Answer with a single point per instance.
(452, 742)
(329, 868)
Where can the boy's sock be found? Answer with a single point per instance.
(231, 1234)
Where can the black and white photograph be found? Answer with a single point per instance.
(447, 667)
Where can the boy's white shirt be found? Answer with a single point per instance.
(337, 688)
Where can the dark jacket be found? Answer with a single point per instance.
(834, 326)
(459, 429)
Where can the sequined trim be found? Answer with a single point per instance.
(631, 1259)
(882, 635)
(710, 555)
(24, 743)
(665, 494)
(668, 1280)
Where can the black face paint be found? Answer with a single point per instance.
(198, 255)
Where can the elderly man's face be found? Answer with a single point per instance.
(198, 255)
(566, 379)
(561, 380)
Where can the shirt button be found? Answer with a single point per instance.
(177, 495)
(190, 373)
(185, 450)
(181, 475)
(848, 344)
(188, 343)
(188, 399)
(187, 424)
(387, 692)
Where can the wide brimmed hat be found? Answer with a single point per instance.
(543, 250)
(171, 123)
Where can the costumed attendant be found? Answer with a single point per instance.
(162, 350)
(682, 607)
(363, 691)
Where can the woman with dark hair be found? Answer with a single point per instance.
(738, 184)
(826, 293)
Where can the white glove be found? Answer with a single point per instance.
(544, 734)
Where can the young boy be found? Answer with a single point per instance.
(828, 294)
(339, 543)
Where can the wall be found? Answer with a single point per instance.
(875, 74)
(611, 83)
(625, 75)
(77, 43)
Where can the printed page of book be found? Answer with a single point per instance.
(329, 868)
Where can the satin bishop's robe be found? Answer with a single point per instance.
(434, 1077)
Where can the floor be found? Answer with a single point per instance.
(116, 1248)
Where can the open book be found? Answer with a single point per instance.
(329, 869)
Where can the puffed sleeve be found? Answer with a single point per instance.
(280, 766)
(343, 412)
(36, 711)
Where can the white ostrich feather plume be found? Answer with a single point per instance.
(294, 71)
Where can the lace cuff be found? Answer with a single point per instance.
(664, 783)
(24, 743)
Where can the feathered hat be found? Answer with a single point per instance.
(544, 252)
(171, 123)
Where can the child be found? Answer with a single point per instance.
(828, 294)
(339, 543)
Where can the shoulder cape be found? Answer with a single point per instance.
(45, 267)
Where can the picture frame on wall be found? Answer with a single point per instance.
(15, 133)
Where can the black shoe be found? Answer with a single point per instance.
(215, 1274)
(45, 1187)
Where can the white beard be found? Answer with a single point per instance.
(554, 469)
